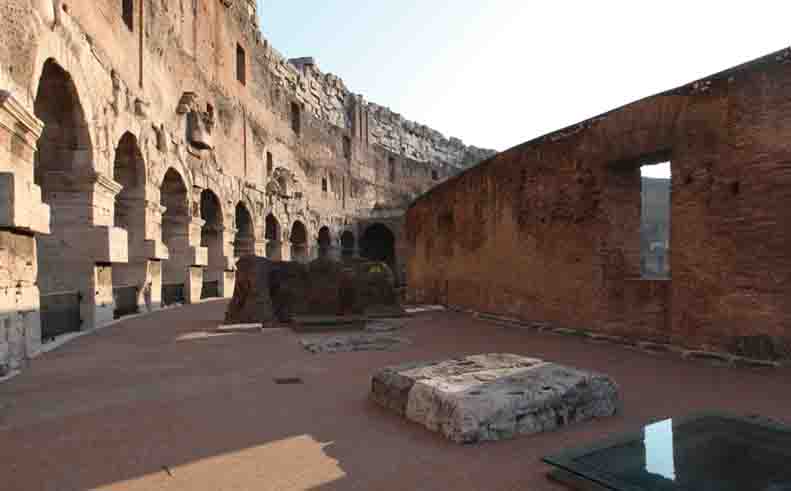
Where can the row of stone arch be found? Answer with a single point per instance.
(166, 242)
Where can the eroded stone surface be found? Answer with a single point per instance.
(267, 290)
(352, 342)
(385, 325)
(494, 396)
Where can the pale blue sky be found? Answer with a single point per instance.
(499, 72)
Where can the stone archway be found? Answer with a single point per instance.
(130, 281)
(274, 246)
(324, 242)
(212, 240)
(244, 242)
(348, 244)
(176, 221)
(378, 244)
(299, 242)
(74, 271)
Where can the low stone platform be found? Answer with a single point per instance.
(493, 396)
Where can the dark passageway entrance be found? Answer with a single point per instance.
(378, 244)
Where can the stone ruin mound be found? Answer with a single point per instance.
(493, 396)
(275, 291)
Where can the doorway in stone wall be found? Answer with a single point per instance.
(299, 242)
(272, 235)
(324, 242)
(130, 214)
(347, 244)
(63, 159)
(175, 235)
(244, 242)
(378, 244)
(211, 239)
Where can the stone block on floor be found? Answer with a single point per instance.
(494, 396)
(343, 343)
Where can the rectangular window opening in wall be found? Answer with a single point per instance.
(241, 65)
(270, 163)
(128, 13)
(324, 184)
(391, 164)
(347, 148)
(296, 118)
(655, 221)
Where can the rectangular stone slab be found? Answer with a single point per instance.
(493, 396)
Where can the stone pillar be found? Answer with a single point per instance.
(22, 214)
(275, 250)
(78, 255)
(194, 284)
(227, 284)
(260, 248)
(185, 256)
(154, 276)
(228, 276)
(146, 251)
(221, 262)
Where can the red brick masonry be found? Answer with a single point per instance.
(549, 230)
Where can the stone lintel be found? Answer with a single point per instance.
(100, 244)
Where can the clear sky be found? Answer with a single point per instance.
(496, 73)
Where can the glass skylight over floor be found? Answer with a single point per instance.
(704, 453)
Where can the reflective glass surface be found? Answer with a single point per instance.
(707, 453)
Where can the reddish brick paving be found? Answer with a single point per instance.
(152, 403)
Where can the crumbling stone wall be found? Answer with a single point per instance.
(549, 230)
(141, 117)
(269, 292)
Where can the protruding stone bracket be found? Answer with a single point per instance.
(18, 120)
(20, 199)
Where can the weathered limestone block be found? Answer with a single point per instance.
(494, 396)
(21, 206)
(343, 343)
(385, 325)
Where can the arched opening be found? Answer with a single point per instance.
(175, 235)
(282, 183)
(130, 214)
(65, 144)
(211, 239)
(272, 236)
(241, 65)
(325, 241)
(299, 242)
(378, 244)
(296, 117)
(128, 13)
(347, 244)
(65, 270)
(244, 243)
